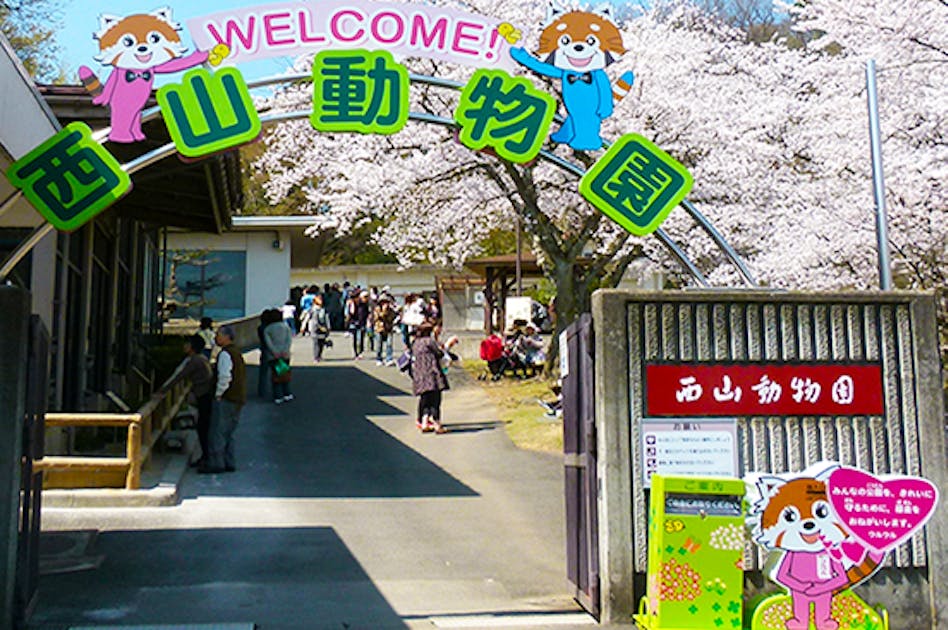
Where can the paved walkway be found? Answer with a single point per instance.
(340, 515)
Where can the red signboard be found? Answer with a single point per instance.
(763, 389)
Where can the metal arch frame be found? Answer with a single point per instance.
(160, 153)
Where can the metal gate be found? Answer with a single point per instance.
(579, 447)
(31, 482)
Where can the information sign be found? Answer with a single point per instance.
(689, 446)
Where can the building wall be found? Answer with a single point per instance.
(267, 272)
(401, 281)
(25, 122)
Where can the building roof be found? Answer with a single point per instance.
(505, 264)
(244, 223)
(197, 195)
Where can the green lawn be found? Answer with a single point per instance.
(516, 402)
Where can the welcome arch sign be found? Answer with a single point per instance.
(359, 86)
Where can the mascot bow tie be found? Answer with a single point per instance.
(585, 77)
(131, 75)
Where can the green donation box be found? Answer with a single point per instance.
(695, 554)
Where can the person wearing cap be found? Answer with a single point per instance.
(230, 395)
(530, 347)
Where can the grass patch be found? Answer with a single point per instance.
(516, 402)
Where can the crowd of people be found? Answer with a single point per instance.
(372, 319)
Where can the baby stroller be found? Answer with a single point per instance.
(493, 352)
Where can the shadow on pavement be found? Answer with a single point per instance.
(323, 445)
(216, 576)
(472, 427)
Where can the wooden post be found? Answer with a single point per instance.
(133, 453)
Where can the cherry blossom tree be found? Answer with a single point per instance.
(438, 199)
(775, 136)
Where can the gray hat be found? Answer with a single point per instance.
(227, 331)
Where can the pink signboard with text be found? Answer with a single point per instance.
(296, 28)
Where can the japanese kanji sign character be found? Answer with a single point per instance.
(805, 389)
(70, 178)
(844, 391)
(359, 90)
(690, 390)
(209, 112)
(505, 114)
(767, 390)
(727, 392)
(636, 184)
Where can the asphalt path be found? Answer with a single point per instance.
(340, 515)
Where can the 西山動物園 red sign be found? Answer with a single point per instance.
(764, 389)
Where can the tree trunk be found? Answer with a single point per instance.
(572, 300)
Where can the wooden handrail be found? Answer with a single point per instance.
(145, 427)
(91, 419)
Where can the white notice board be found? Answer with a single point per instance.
(689, 446)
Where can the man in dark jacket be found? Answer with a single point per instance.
(196, 368)
(230, 395)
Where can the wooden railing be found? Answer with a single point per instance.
(144, 429)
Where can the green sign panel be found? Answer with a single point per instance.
(505, 114)
(209, 112)
(636, 184)
(359, 90)
(695, 554)
(70, 178)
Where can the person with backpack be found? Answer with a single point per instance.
(319, 327)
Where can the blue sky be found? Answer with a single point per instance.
(81, 20)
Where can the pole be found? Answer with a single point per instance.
(519, 271)
(878, 183)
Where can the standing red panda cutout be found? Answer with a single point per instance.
(137, 47)
(576, 47)
(819, 557)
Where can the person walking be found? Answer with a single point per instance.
(384, 325)
(358, 320)
(267, 317)
(278, 337)
(230, 395)
(412, 316)
(428, 380)
(318, 328)
(289, 316)
(197, 369)
(306, 307)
